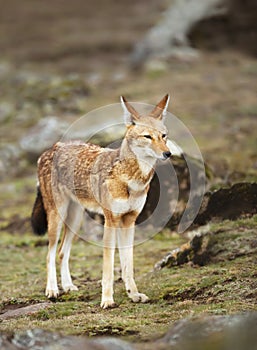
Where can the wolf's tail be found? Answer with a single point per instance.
(38, 217)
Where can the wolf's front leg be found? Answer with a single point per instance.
(109, 241)
(125, 245)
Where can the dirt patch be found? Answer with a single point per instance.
(192, 293)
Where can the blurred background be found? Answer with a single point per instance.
(60, 60)
(65, 58)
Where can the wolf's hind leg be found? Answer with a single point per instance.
(54, 229)
(72, 225)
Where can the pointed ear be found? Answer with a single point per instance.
(160, 110)
(130, 114)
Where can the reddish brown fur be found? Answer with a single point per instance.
(111, 182)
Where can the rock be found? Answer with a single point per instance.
(113, 344)
(212, 332)
(176, 189)
(42, 136)
(239, 200)
(23, 311)
(105, 137)
(11, 161)
(51, 129)
(44, 340)
(229, 203)
(193, 24)
(207, 246)
(171, 34)
(191, 251)
(237, 29)
(5, 342)
(6, 111)
(207, 332)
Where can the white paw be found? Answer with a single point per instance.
(108, 304)
(139, 298)
(70, 288)
(52, 293)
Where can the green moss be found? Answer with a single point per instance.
(219, 288)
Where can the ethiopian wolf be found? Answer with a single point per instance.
(74, 176)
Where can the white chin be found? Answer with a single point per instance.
(163, 158)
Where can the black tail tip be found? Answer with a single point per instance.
(38, 228)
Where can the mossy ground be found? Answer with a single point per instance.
(224, 287)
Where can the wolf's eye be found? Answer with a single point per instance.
(148, 137)
(164, 135)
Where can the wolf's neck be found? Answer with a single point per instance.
(145, 163)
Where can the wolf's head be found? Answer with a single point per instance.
(146, 134)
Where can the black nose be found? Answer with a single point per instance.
(166, 155)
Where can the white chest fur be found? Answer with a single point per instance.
(132, 203)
